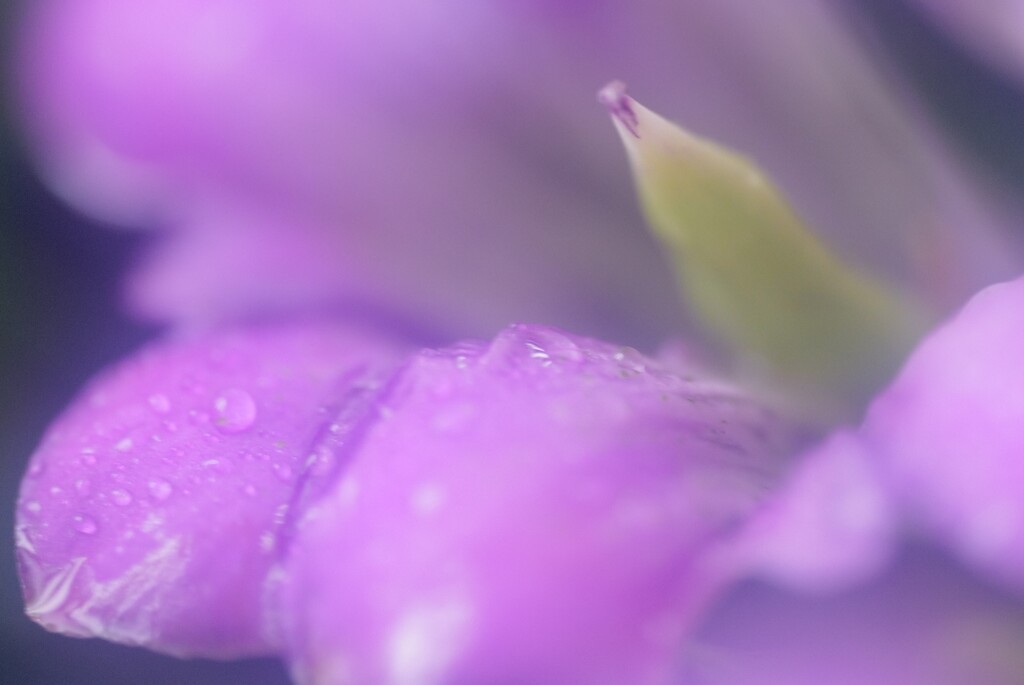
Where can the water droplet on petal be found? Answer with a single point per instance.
(537, 352)
(33, 507)
(160, 403)
(236, 410)
(82, 486)
(84, 524)
(283, 471)
(124, 445)
(88, 459)
(160, 489)
(36, 469)
(121, 498)
(281, 513)
(250, 490)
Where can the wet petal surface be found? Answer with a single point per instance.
(533, 510)
(150, 512)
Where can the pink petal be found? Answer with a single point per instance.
(536, 510)
(831, 525)
(150, 512)
(948, 434)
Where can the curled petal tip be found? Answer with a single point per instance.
(620, 106)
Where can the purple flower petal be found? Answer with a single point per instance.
(948, 434)
(536, 510)
(830, 525)
(925, 622)
(150, 512)
(990, 29)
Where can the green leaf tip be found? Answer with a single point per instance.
(754, 276)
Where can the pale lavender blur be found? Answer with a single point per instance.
(445, 163)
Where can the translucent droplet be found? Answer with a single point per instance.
(88, 457)
(33, 507)
(84, 524)
(249, 490)
(283, 471)
(160, 403)
(124, 445)
(160, 489)
(82, 486)
(281, 514)
(538, 352)
(121, 498)
(36, 469)
(236, 410)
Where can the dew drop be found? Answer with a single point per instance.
(84, 524)
(249, 490)
(82, 486)
(88, 459)
(236, 410)
(36, 469)
(121, 498)
(160, 489)
(538, 352)
(124, 445)
(280, 514)
(160, 403)
(33, 507)
(283, 471)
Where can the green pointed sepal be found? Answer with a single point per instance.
(755, 277)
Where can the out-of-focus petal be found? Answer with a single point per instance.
(991, 28)
(925, 622)
(455, 151)
(150, 512)
(831, 525)
(948, 434)
(535, 510)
